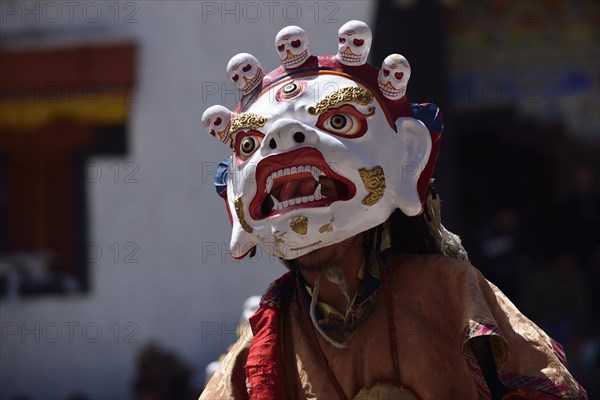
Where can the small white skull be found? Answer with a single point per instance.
(393, 76)
(293, 46)
(245, 72)
(216, 120)
(354, 43)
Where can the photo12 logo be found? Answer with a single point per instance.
(55, 12)
(68, 332)
(269, 11)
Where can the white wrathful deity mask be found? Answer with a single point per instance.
(320, 155)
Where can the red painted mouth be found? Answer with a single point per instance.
(298, 179)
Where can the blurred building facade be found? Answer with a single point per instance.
(147, 255)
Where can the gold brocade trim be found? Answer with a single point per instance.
(104, 110)
(299, 225)
(247, 121)
(347, 94)
(374, 182)
(238, 203)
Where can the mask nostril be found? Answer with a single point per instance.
(299, 137)
(272, 144)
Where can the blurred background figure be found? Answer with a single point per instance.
(161, 375)
(503, 250)
(578, 223)
(250, 306)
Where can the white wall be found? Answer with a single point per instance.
(176, 291)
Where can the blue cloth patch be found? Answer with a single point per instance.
(429, 114)
(220, 178)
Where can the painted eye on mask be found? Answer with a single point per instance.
(345, 121)
(246, 144)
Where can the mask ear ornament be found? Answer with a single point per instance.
(415, 152)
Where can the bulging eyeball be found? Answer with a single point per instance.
(245, 72)
(354, 43)
(393, 76)
(216, 120)
(293, 46)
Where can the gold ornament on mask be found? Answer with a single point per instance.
(239, 210)
(328, 227)
(279, 237)
(374, 182)
(349, 94)
(300, 225)
(246, 121)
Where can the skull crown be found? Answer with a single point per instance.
(216, 120)
(245, 72)
(354, 43)
(293, 47)
(393, 76)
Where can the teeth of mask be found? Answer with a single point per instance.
(315, 173)
(276, 203)
(279, 205)
(269, 184)
(318, 195)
